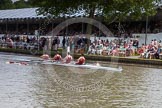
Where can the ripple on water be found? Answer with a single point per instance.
(34, 86)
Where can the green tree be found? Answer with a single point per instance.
(22, 4)
(111, 10)
(6, 4)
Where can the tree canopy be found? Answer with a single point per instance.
(22, 4)
(111, 10)
(8, 4)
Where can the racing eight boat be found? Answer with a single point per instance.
(72, 64)
(88, 66)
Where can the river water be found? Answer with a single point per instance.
(49, 86)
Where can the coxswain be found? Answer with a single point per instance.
(57, 57)
(10, 62)
(68, 58)
(45, 56)
(81, 60)
(19, 63)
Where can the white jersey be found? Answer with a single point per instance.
(68, 49)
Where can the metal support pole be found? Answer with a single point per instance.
(146, 30)
(6, 27)
(52, 28)
(82, 28)
(99, 30)
(27, 28)
(82, 22)
(16, 27)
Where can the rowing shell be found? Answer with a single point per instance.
(24, 61)
(28, 60)
(89, 66)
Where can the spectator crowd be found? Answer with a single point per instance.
(81, 44)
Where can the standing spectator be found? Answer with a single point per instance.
(58, 42)
(54, 43)
(160, 43)
(68, 41)
(135, 43)
(28, 40)
(63, 42)
(43, 42)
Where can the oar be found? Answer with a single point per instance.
(19, 63)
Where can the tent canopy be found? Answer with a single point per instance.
(20, 14)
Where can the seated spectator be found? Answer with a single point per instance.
(146, 54)
(135, 43)
(158, 51)
(152, 52)
(99, 48)
(91, 49)
(9, 42)
(155, 43)
(152, 42)
(115, 52)
(105, 50)
(80, 48)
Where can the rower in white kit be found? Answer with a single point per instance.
(45, 56)
(68, 58)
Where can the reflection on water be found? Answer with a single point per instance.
(48, 86)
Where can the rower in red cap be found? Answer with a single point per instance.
(81, 60)
(57, 57)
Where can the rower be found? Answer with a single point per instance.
(68, 58)
(81, 60)
(45, 56)
(57, 57)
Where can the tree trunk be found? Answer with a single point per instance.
(89, 28)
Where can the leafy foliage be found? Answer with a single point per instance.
(111, 10)
(22, 4)
(6, 4)
(116, 10)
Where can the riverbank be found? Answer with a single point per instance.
(132, 60)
